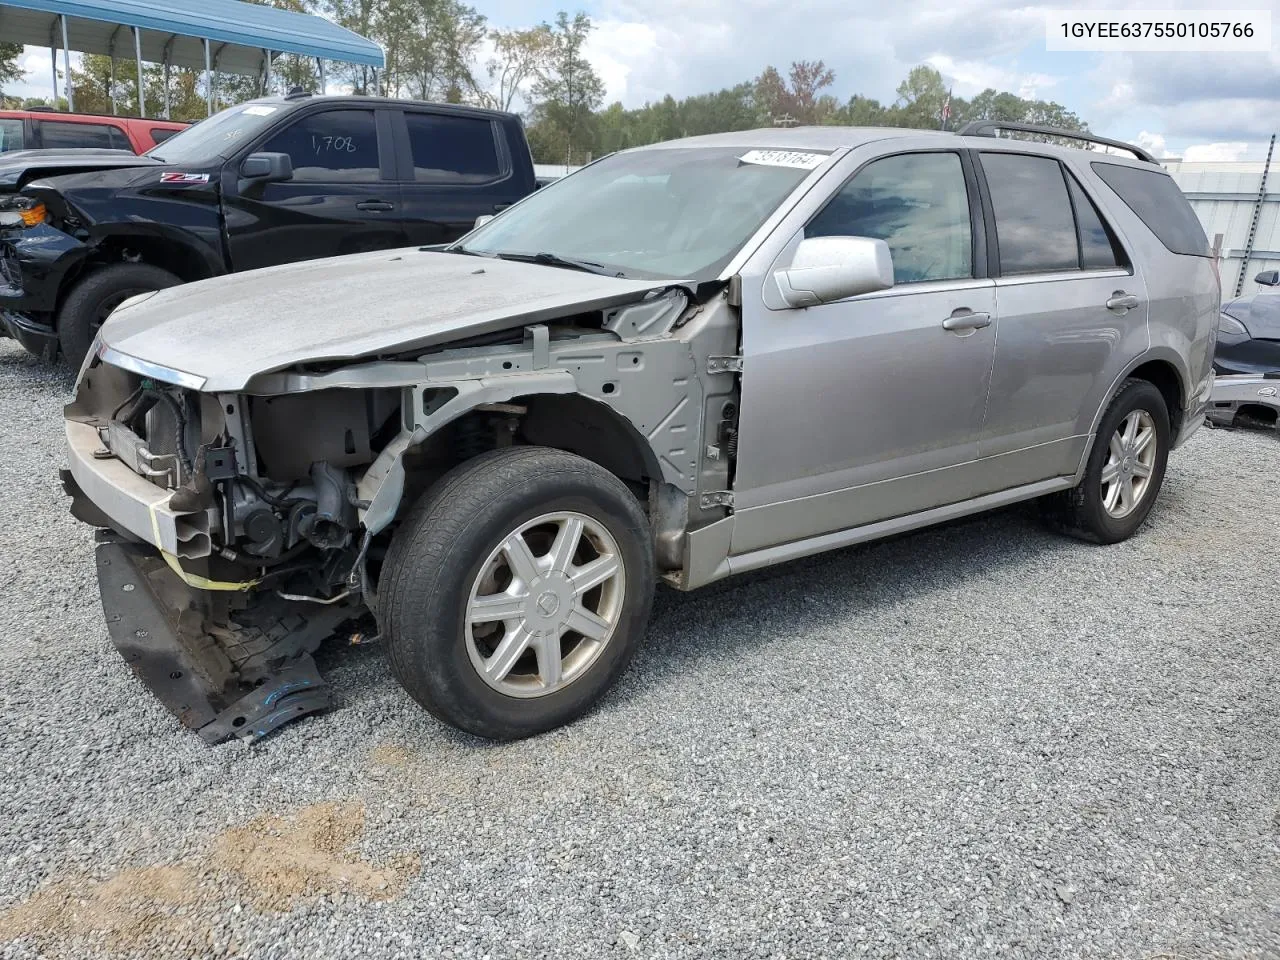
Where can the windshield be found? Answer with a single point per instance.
(673, 213)
(216, 137)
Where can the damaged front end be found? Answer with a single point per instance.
(224, 559)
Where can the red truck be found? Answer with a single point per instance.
(49, 129)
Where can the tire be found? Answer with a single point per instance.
(447, 552)
(96, 295)
(1090, 511)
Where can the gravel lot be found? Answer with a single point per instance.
(976, 741)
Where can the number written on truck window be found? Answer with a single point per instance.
(329, 147)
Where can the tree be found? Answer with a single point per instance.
(567, 92)
(519, 57)
(799, 97)
(10, 68)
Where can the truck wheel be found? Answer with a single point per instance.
(516, 590)
(1125, 470)
(93, 298)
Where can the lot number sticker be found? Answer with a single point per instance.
(259, 111)
(784, 158)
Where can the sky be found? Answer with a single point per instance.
(1198, 106)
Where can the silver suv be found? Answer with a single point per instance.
(678, 363)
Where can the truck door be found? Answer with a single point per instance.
(454, 168)
(342, 198)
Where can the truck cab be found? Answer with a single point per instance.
(271, 181)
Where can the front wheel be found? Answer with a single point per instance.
(1125, 469)
(93, 298)
(516, 591)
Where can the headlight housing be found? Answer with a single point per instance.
(17, 210)
(1232, 327)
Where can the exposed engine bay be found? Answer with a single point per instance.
(244, 529)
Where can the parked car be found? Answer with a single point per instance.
(49, 129)
(1246, 400)
(267, 182)
(1249, 331)
(682, 362)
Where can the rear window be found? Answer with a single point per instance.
(60, 134)
(1158, 202)
(10, 135)
(161, 134)
(452, 149)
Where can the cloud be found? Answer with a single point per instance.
(1153, 143)
(1215, 151)
(973, 76)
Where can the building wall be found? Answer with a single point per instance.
(1223, 196)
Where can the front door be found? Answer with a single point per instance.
(342, 198)
(869, 408)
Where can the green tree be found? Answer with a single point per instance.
(10, 70)
(519, 57)
(799, 98)
(566, 94)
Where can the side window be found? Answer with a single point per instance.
(10, 135)
(1158, 202)
(120, 140)
(452, 149)
(1099, 247)
(1034, 227)
(337, 146)
(161, 134)
(918, 204)
(56, 134)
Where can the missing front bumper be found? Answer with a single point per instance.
(222, 673)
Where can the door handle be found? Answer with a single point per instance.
(1122, 301)
(965, 319)
(375, 205)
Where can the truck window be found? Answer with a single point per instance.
(10, 135)
(161, 134)
(449, 149)
(333, 146)
(58, 134)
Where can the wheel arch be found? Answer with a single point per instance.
(1161, 367)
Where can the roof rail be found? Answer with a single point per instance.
(988, 128)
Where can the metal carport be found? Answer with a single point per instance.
(211, 35)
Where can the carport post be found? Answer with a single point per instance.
(111, 76)
(208, 81)
(137, 53)
(165, 58)
(320, 62)
(266, 74)
(375, 81)
(66, 61)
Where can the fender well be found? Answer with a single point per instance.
(592, 430)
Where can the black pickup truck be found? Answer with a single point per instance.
(266, 182)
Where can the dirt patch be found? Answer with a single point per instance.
(271, 863)
(390, 755)
(281, 861)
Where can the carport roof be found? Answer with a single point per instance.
(238, 32)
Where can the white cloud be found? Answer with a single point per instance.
(973, 76)
(1153, 143)
(1215, 151)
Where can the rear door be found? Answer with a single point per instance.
(342, 199)
(1072, 310)
(70, 134)
(453, 169)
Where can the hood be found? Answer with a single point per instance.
(1260, 313)
(21, 166)
(227, 330)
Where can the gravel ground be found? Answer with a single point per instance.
(982, 740)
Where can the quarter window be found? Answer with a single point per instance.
(918, 204)
(338, 146)
(1034, 226)
(1098, 245)
(10, 135)
(452, 149)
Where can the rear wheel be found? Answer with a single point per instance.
(516, 591)
(93, 298)
(1125, 470)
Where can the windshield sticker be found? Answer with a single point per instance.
(184, 178)
(784, 158)
(260, 111)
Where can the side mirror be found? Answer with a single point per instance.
(482, 220)
(826, 269)
(267, 167)
(1268, 278)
